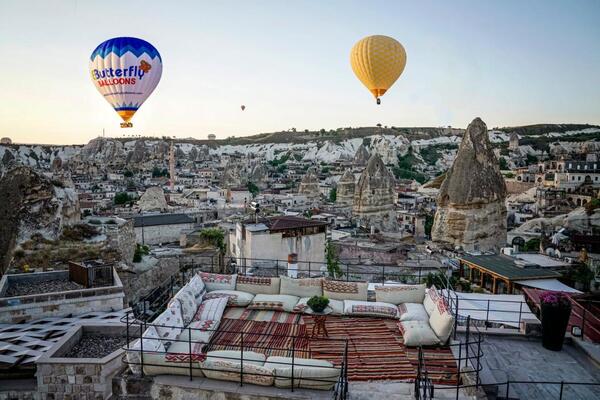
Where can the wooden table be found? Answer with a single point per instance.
(319, 329)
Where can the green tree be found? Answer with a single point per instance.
(531, 159)
(156, 172)
(121, 198)
(333, 261)
(127, 173)
(503, 164)
(214, 236)
(428, 224)
(333, 195)
(253, 189)
(532, 245)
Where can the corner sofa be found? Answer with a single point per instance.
(176, 338)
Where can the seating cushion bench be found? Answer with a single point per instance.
(308, 373)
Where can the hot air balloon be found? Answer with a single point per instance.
(243, 107)
(125, 70)
(378, 61)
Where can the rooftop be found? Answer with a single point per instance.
(507, 267)
(161, 219)
(283, 222)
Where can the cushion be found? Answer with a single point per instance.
(274, 302)
(340, 290)
(226, 365)
(211, 309)
(412, 312)
(306, 287)
(235, 298)
(198, 288)
(201, 333)
(308, 373)
(218, 281)
(399, 294)
(430, 300)
(336, 305)
(175, 362)
(257, 284)
(370, 309)
(151, 343)
(170, 323)
(185, 296)
(441, 320)
(417, 333)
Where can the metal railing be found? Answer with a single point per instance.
(190, 361)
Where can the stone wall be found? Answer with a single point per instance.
(123, 240)
(139, 283)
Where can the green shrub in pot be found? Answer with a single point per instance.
(318, 303)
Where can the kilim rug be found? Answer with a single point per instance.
(269, 338)
(374, 353)
(261, 315)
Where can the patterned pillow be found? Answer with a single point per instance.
(198, 288)
(306, 287)
(201, 333)
(211, 309)
(218, 281)
(431, 298)
(257, 284)
(185, 297)
(370, 309)
(339, 290)
(169, 324)
(417, 333)
(441, 320)
(236, 298)
(400, 294)
(273, 302)
(151, 343)
(412, 312)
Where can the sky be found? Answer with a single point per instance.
(508, 62)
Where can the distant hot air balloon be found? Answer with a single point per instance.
(125, 71)
(243, 107)
(378, 61)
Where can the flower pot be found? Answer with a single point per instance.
(554, 325)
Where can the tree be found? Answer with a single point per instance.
(428, 224)
(333, 261)
(127, 173)
(253, 189)
(214, 236)
(121, 198)
(333, 195)
(503, 164)
(532, 245)
(531, 159)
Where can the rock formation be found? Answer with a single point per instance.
(102, 150)
(361, 157)
(471, 213)
(259, 175)
(345, 188)
(153, 199)
(309, 186)
(32, 204)
(233, 175)
(373, 204)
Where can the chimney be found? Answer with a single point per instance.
(292, 265)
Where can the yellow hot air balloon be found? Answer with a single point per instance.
(378, 61)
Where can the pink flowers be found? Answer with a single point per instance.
(555, 299)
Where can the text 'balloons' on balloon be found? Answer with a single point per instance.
(378, 61)
(125, 70)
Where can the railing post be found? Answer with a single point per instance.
(458, 369)
(383, 274)
(456, 316)
(347, 272)
(467, 340)
(127, 334)
(190, 349)
(277, 268)
(241, 358)
(583, 322)
(142, 347)
(293, 359)
(520, 311)
(562, 384)
(487, 314)
(507, 388)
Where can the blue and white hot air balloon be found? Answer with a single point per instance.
(125, 70)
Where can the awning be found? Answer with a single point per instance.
(548, 284)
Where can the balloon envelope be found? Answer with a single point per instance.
(378, 61)
(243, 107)
(125, 71)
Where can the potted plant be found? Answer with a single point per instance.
(318, 303)
(555, 313)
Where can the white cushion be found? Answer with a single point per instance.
(151, 343)
(412, 312)
(235, 297)
(218, 281)
(226, 365)
(430, 300)
(257, 284)
(274, 302)
(211, 309)
(175, 362)
(308, 373)
(185, 296)
(201, 333)
(340, 290)
(370, 309)
(198, 288)
(398, 294)
(417, 333)
(441, 320)
(305, 287)
(169, 324)
(336, 305)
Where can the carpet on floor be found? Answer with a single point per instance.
(262, 315)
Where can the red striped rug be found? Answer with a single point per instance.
(269, 338)
(261, 315)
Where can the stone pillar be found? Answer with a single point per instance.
(292, 269)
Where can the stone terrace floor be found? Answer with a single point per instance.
(524, 359)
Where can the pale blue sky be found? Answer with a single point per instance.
(509, 62)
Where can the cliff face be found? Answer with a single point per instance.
(309, 186)
(345, 188)
(471, 213)
(32, 204)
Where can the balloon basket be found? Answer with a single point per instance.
(126, 125)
